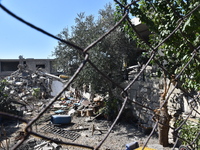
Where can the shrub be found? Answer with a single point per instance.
(189, 131)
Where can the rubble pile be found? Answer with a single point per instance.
(81, 107)
(33, 88)
(40, 145)
(25, 85)
(31, 92)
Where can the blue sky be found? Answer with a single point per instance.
(51, 15)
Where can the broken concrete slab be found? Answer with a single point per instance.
(56, 87)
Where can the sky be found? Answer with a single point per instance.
(53, 16)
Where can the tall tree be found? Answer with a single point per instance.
(162, 18)
(108, 55)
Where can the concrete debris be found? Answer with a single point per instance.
(33, 144)
(72, 112)
(94, 128)
(33, 91)
(47, 146)
(25, 86)
(56, 87)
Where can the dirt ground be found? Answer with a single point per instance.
(91, 133)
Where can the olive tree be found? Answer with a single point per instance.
(108, 55)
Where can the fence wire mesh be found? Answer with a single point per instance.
(124, 95)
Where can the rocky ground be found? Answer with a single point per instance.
(91, 132)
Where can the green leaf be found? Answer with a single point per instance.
(187, 23)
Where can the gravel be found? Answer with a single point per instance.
(92, 132)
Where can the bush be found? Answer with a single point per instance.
(5, 100)
(189, 132)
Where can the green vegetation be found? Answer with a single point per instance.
(108, 55)
(189, 132)
(175, 29)
(162, 18)
(36, 92)
(5, 100)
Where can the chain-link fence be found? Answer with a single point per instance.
(124, 95)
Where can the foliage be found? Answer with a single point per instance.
(112, 108)
(189, 132)
(5, 100)
(162, 18)
(36, 92)
(108, 55)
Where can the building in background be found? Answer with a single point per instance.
(7, 66)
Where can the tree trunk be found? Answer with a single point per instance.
(163, 127)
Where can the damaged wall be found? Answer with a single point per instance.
(7, 66)
(147, 91)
